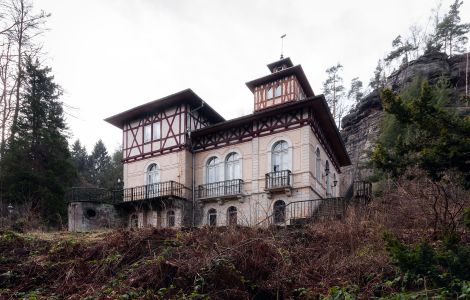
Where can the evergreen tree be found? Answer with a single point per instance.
(450, 33)
(400, 49)
(81, 162)
(115, 170)
(355, 92)
(421, 131)
(100, 162)
(37, 168)
(378, 81)
(333, 89)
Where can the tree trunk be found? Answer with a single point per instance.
(20, 68)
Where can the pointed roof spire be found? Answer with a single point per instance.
(282, 45)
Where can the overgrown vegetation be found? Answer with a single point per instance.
(342, 259)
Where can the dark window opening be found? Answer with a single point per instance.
(232, 216)
(212, 216)
(90, 213)
(170, 216)
(279, 211)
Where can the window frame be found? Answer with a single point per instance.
(282, 154)
(212, 168)
(232, 216)
(147, 133)
(156, 131)
(278, 90)
(269, 93)
(212, 212)
(232, 167)
(317, 164)
(171, 218)
(279, 206)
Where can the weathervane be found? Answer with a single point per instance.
(282, 45)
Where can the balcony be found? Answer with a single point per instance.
(165, 189)
(279, 181)
(221, 190)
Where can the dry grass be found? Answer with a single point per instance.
(235, 263)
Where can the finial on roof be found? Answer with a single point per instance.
(282, 45)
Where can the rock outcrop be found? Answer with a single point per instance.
(361, 127)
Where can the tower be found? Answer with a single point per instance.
(286, 83)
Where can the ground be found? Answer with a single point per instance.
(332, 259)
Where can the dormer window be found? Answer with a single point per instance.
(269, 93)
(278, 91)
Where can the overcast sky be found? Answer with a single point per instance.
(112, 55)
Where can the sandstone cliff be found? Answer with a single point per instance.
(361, 126)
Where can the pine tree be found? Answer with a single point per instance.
(355, 92)
(333, 89)
(81, 163)
(422, 132)
(401, 49)
(450, 33)
(378, 81)
(37, 168)
(114, 174)
(100, 162)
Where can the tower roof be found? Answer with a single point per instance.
(283, 61)
(292, 70)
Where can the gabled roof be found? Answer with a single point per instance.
(295, 70)
(184, 96)
(323, 114)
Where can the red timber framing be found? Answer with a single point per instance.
(172, 124)
(257, 127)
(290, 91)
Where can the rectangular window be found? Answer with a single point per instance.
(156, 131)
(147, 133)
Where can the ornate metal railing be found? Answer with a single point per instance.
(220, 189)
(305, 211)
(363, 190)
(278, 180)
(144, 192)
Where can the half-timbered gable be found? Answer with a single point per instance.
(161, 126)
(286, 83)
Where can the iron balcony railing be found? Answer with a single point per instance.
(306, 211)
(144, 192)
(225, 188)
(278, 180)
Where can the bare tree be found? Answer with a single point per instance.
(8, 86)
(19, 27)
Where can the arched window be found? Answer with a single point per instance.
(333, 188)
(212, 217)
(232, 166)
(269, 93)
(279, 157)
(232, 216)
(134, 221)
(278, 90)
(152, 179)
(318, 164)
(170, 218)
(212, 172)
(327, 174)
(279, 210)
(152, 174)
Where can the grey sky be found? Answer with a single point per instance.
(111, 55)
